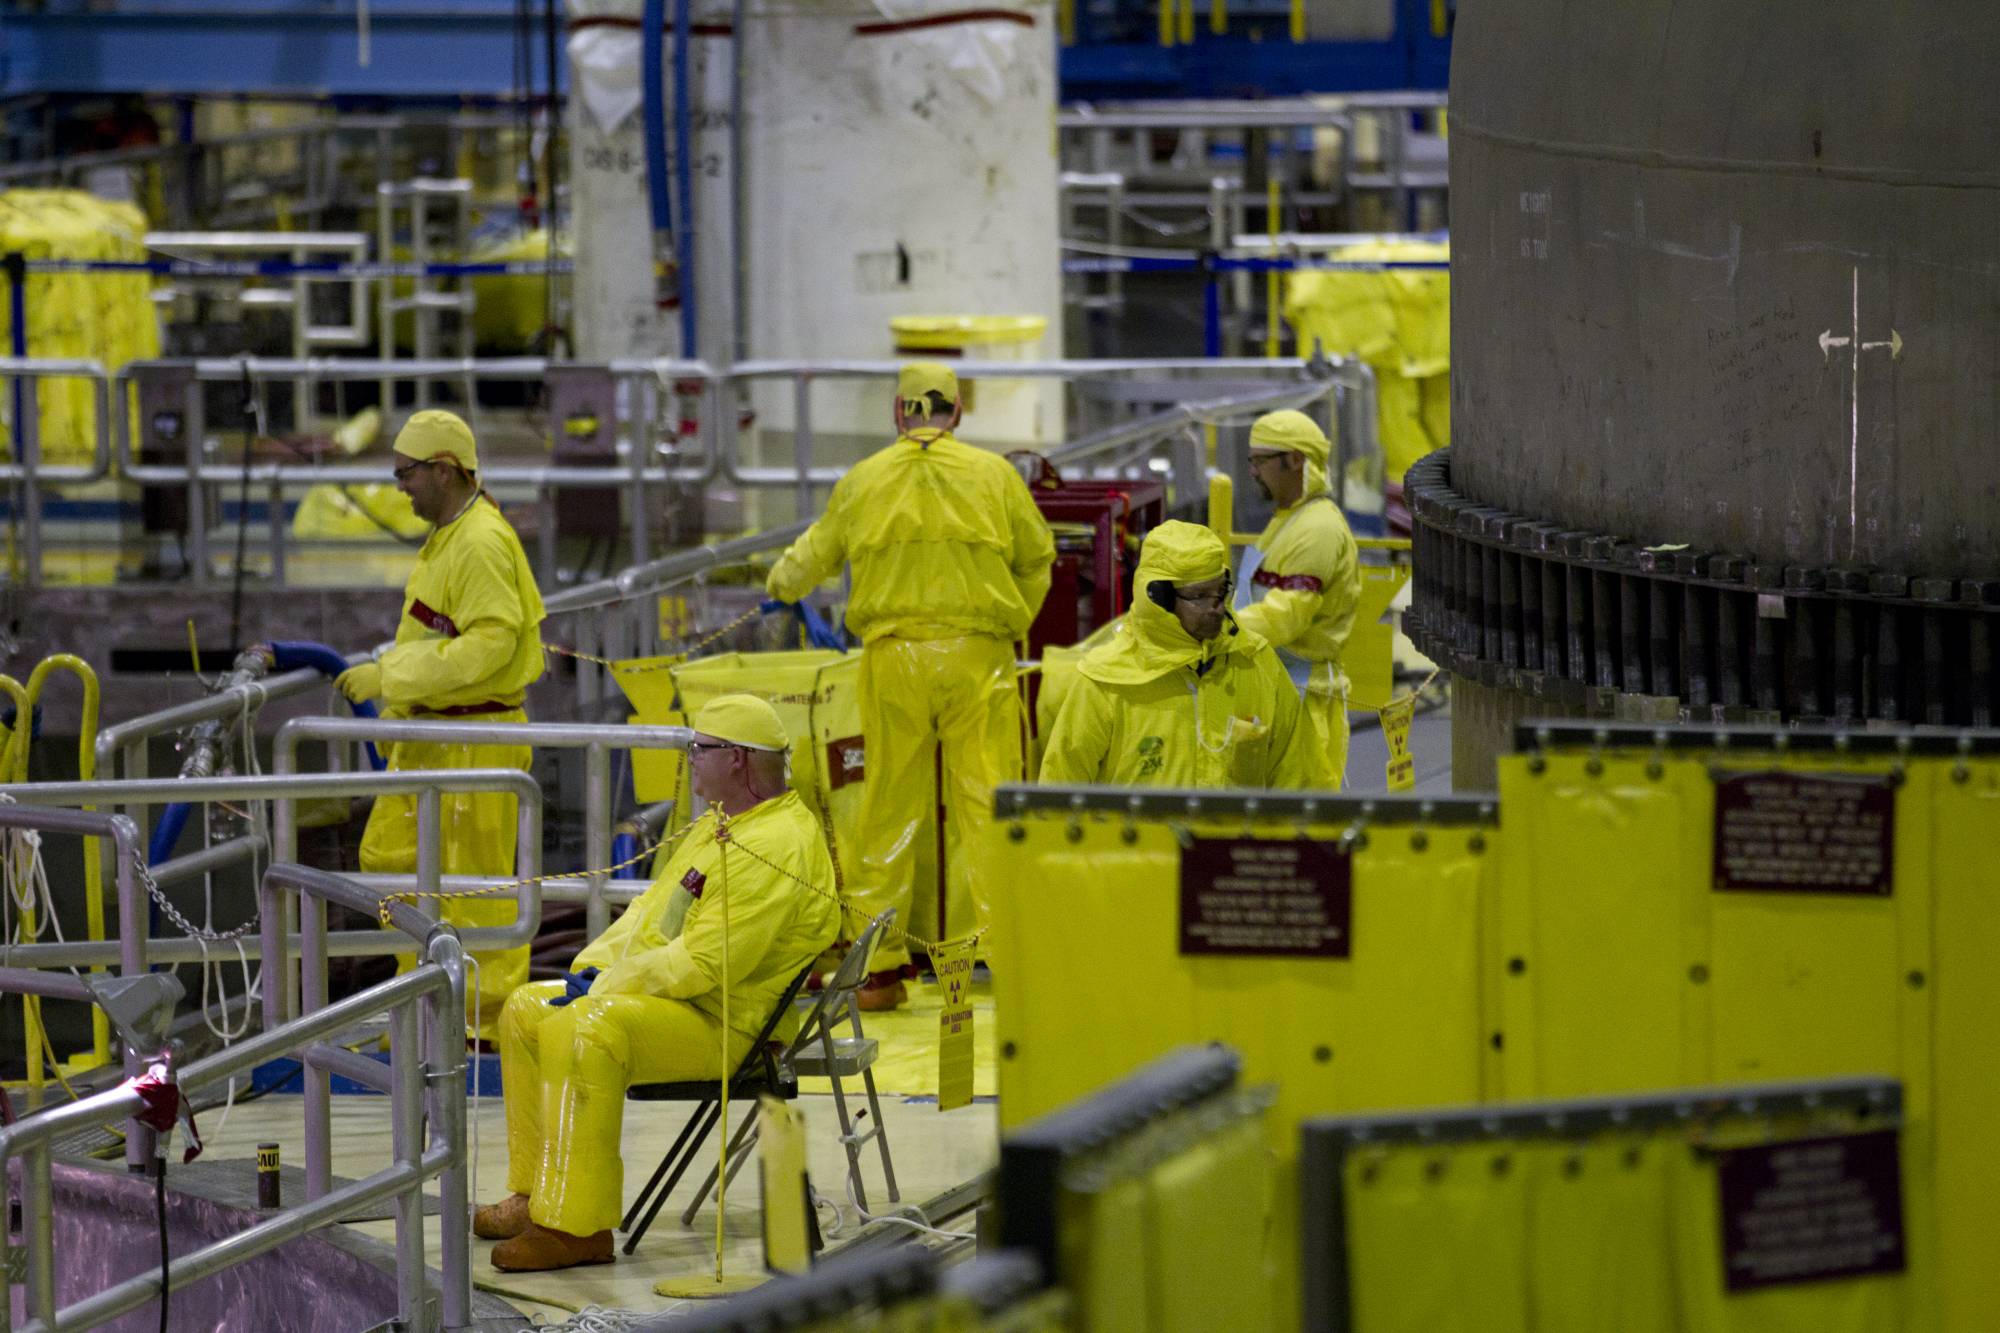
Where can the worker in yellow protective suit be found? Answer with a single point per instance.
(1183, 696)
(467, 647)
(676, 989)
(951, 562)
(1298, 586)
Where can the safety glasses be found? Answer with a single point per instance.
(408, 468)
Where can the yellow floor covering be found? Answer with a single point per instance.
(907, 1064)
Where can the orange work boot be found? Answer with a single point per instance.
(540, 1248)
(503, 1220)
(882, 991)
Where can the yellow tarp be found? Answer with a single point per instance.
(1399, 322)
(105, 317)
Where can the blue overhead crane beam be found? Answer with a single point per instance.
(279, 48)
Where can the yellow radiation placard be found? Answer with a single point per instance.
(953, 961)
(1402, 767)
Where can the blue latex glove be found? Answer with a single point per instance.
(575, 984)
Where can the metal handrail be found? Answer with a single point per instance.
(595, 739)
(424, 1084)
(281, 790)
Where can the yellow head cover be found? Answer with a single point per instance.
(1292, 431)
(742, 719)
(435, 433)
(918, 379)
(1181, 553)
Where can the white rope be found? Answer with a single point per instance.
(924, 1227)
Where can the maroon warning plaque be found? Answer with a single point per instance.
(1779, 832)
(1263, 898)
(1809, 1209)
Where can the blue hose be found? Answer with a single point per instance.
(167, 832)
(294, 654)
(286, 655)
(670, 187)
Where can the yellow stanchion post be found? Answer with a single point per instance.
(1218, 17)
(1298, 20)
(1166, 22)
(93, 865)
(723, 1284)
(1187, 22)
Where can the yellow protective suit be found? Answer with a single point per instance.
(654, 1013)
(1301, 600)
(1155, 707)
(469, 644)
(951, 562)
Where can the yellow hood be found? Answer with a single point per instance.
(1150, 641)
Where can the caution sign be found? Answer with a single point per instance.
(1804, 833)
(1809, 1209)
(1401, 768)
(953, 963)
(1266, 899)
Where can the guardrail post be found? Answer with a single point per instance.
(132, 962)
(596, 837)
(802, 440)
(444, 1039)
(407, 1110)
(316, 1083)
(430, 851)
(38, 1203)
(197, 494)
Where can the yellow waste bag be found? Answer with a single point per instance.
(376, 509)
(1399, 322)
(816, 694)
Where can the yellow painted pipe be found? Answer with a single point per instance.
(1298, 20)
(24, 722)
(1218, 17)
(1187, 22)
(1066, 21)
(1166, 22)
(93, 866)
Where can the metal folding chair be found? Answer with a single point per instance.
(759, 1071)
(819, 1052)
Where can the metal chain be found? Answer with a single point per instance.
(173, 913)
(672, 661)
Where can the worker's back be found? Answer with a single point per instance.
(942, 536)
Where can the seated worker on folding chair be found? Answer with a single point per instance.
(643, 1003)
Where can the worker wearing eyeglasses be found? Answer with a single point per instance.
(1298, 586)
(1182, 695)
(645, 1001)
(468, 645)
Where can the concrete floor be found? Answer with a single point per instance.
(932, 1151)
